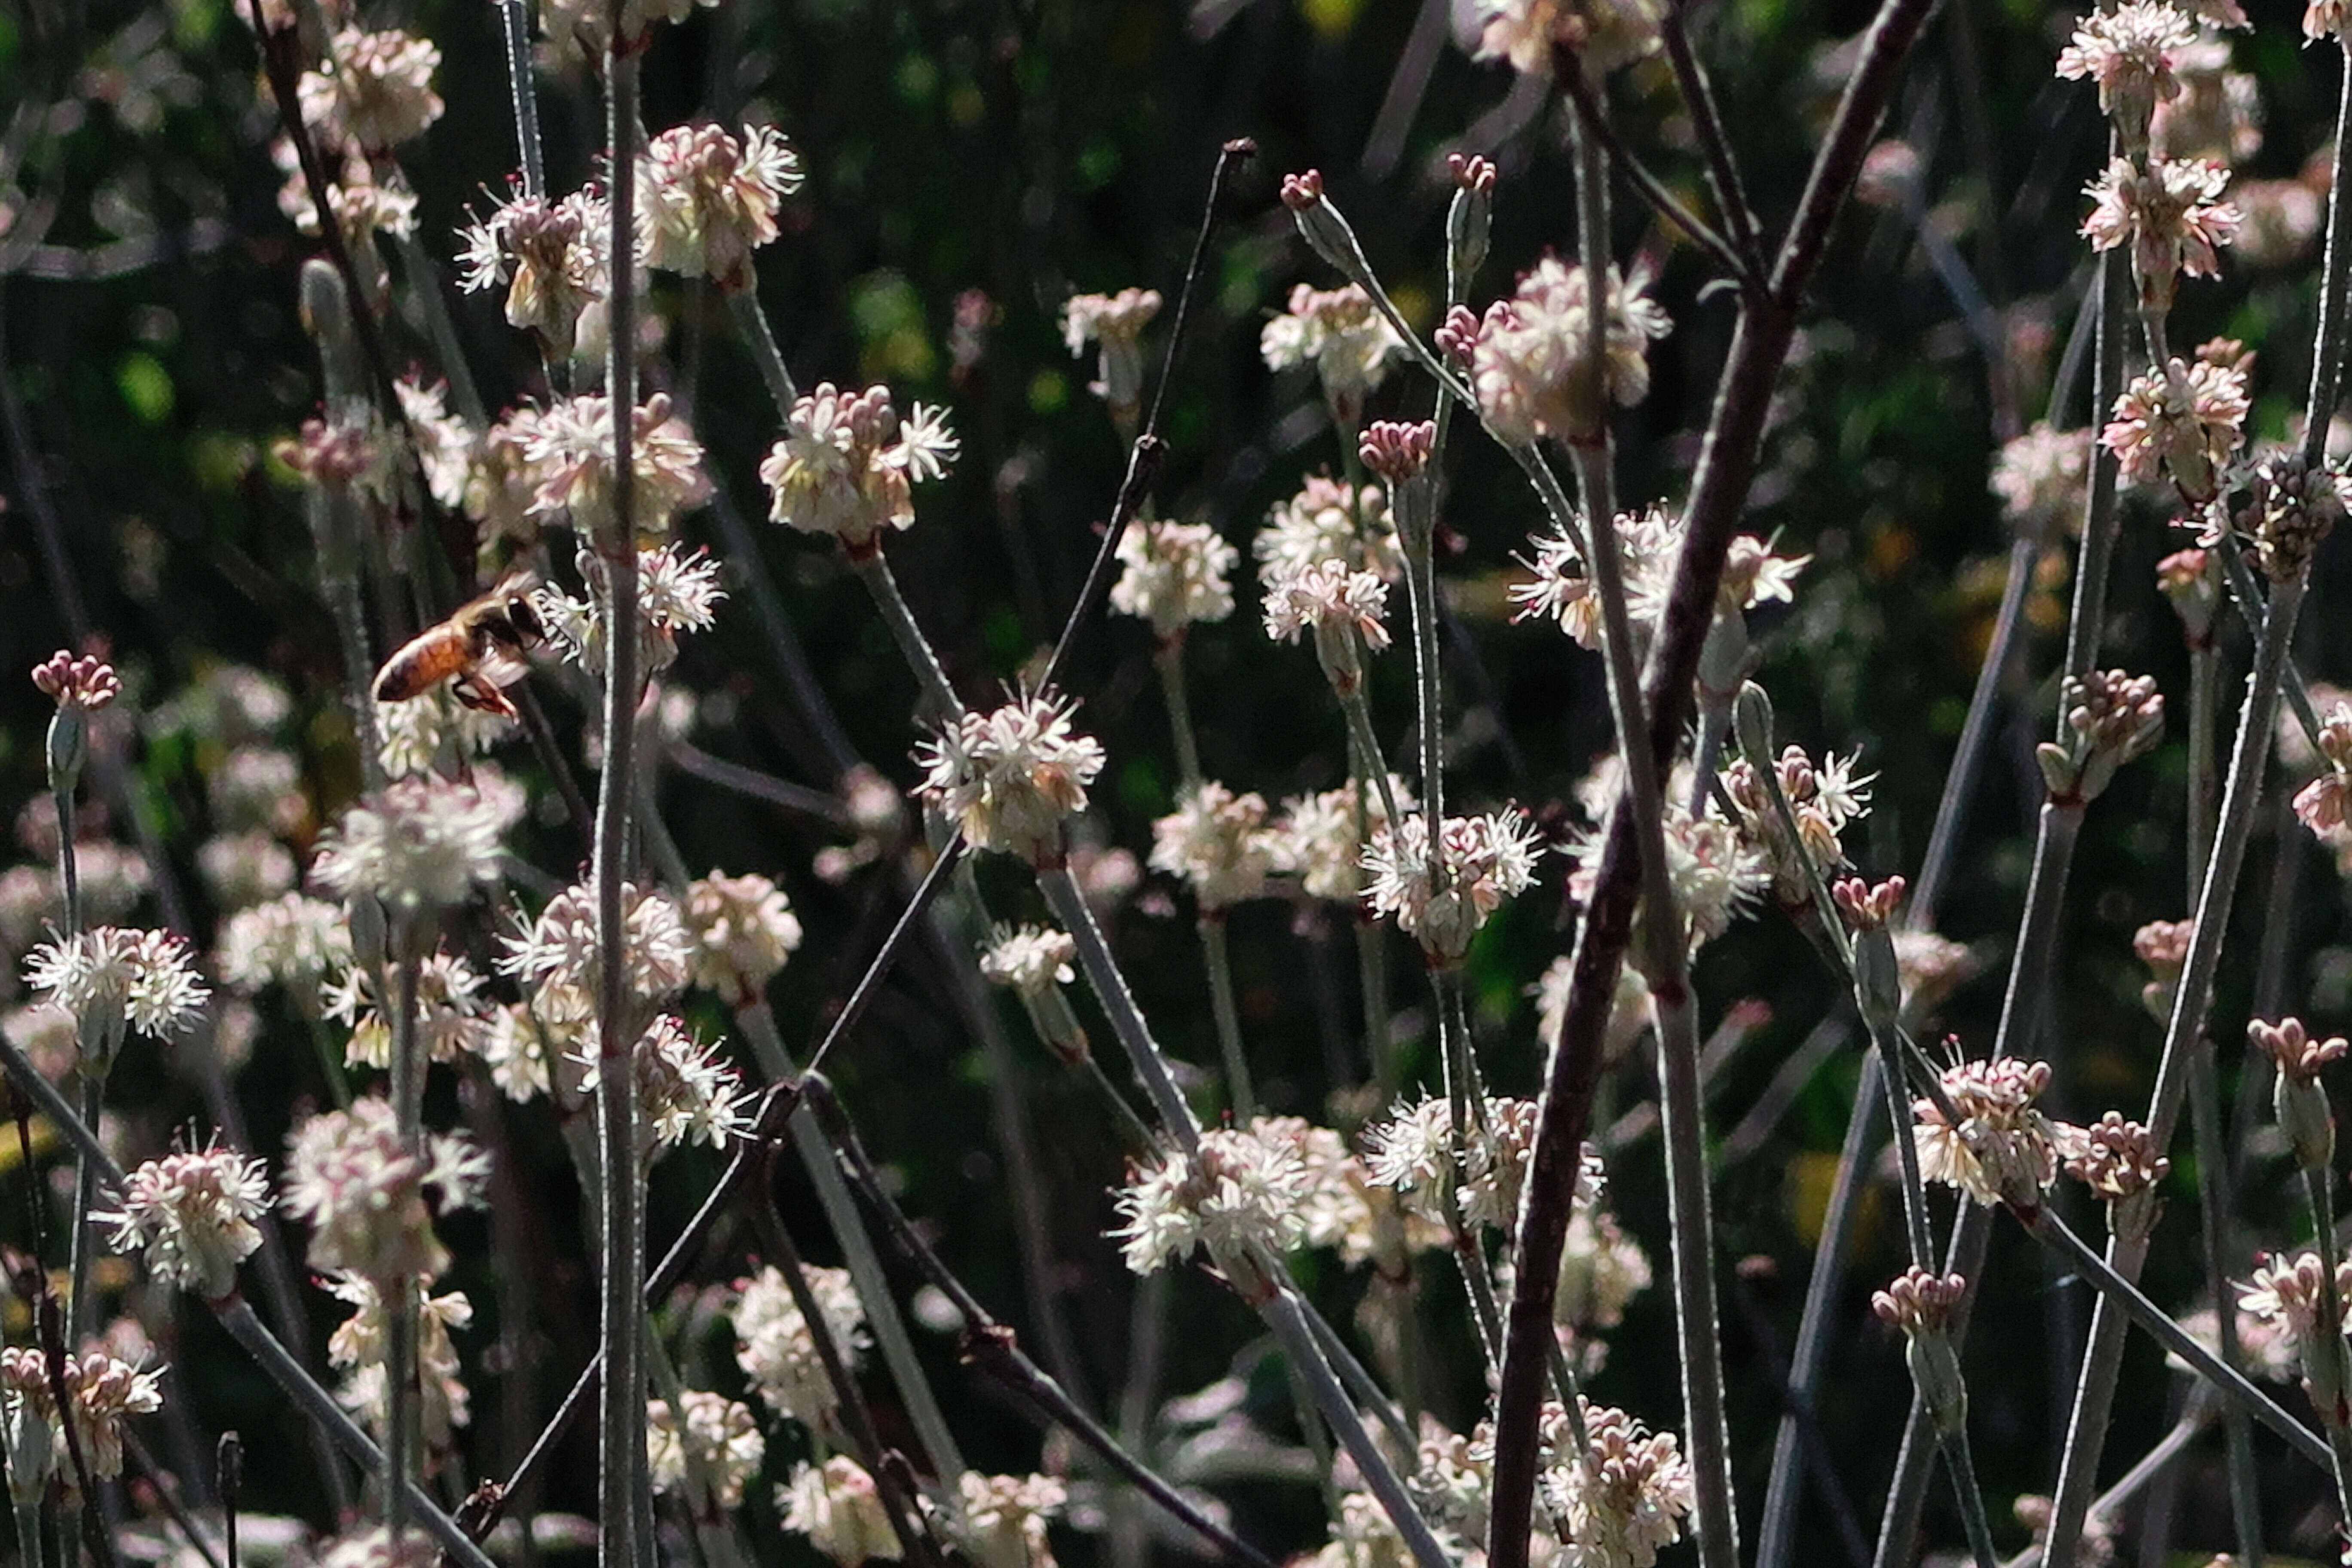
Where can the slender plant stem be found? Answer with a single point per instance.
(622, 1410)
(1976, 734)
(2334, 1416)
(2334, 278)
(1168, 658)
(2192, 998)
(759, 337)
(514, 29)
(82, 1308)
(1068, 902)
(833, 1196)
(1239, 1094)
(402, 1415)
(1706, 122)
(939, 700)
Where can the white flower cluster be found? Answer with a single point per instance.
(1173, 574)
(191, 1214)
(678, 591)
(422, 843)
(366, 1196)
(114, 976)
(1009, 778)
(1242, 1189)
(361, 1344)
(1442, 894)
(846, 464)
(774, 1347)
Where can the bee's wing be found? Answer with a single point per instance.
(501, 669)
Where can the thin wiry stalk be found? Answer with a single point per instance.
(992, 1347)
(1975, 732)
(759, 337)
(403, 1413)
(1168, 658)
(873, 569)
(1239, 1095)
(1706, 123)
(622, 1325)
(2335, 279)
(1068, 902)
(2192, 998)
(1726, 465)
(514, 29)
(2329, 1332)
(857, 1255)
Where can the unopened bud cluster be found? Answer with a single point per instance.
(1921, 1304)
(2111, 718)
(2297, 1097)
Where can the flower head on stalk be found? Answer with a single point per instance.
(1342, 333)
(1116, 322)
(349, 1174)
(2130, 52)
(2170, 213)
(2163, 946)
(744, 930)
(102, 1393)
(1603, 34)
(1242, 1188)
(560, 959)
(2119, 1161)
(191, 1215)
(451, 1011)
(774, 1347)
(1319, 839)
(1625, 1495)
(2323, 804)
(707, 200)
(708, 1454)
(2297, 1298)
(419, 844)
(552, 256)
(2040, 478)
(2002, 1150)
(1825, 798)
(581, 31)
(1474, 1178)
(1031, 960)
(1175, 573)
(375, 90)
(676, 592)
(2183, 420)
(999, 1521)
(838, 1508)
(686, 1092)
(1346, 611)
(359, 1346)
(2326, 20)
(1216, 841)
(846, 464)
(1531, 358)
(2112, 717)
(2189, 578)
(1327, 521)
(2291, 506)
(111, 977)
(1010, 778)
(80, 686)
(569, 450)
(1398, 452)
(292, 941)
(1442, 894)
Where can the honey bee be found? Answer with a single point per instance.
(480, 646)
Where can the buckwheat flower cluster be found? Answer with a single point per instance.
(706, 1456)
(1217, 842)
(1011, 777)
(2326, 20)
(1117, 322)
(2170, 213)
(552, 256)
(773, 1347)
(102, 1393)
(423, 734)
(2293, 505)
(88, 682)
(676, 592)
(581, 31)
(375, 90)
(1343, 335)
(2004, 1149)
(1363, 1536)
(2217, 113)
(1346, 611)
(2120, 1162)
(2297, 1099)
(113, 976)
(191, 1215)
(2130, 53)
(2112, 717)
(560, 958)
(2184, 420)
(836, 1507)
(686, 1092)
(1602, 1269)
(1921, 1304)
(1319, 839)
(293, 940)
(1624, 1495)
(1531, 355)
(1442, 894)
(569, 450)
(1241, 1190)
(420, 843)
(374, 1547)
(1328, 520)
(452, 1013)
(366, 1196)
(706, 200)
(1473, 1178)
(2040, 478)
(1825, 799)
(2163, 946)
(360, 1347)
(1605, 34)
(1173, 574)
(1031, 960)
(999, 1521)
(2290, 1293)
(846, 464)
(744, 930)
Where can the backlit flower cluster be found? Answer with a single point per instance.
(1603, 34)
(553, 256)
(836, 1507)
(846, 464)
(1532, 360)
(191, 1215)
(112, 976)
(678, 591)
(687, 1092)
(2130, 53)
(1343, 335)
(2002, 1150)
(706, 200)
(1442, 894)
(560, 959)
(1624, 1495)
(1173, 574)
(374, 91)
(1472, 1178)
(359, 1348)
(743, 930)
(102, 1393)
(366, 1196)
(1217, 842)
(773, 1347)
(2170, 213)
(420, 843)
(1116, 322)
(1240, 1190)
(707, 1453)
(570, 450)
(1328, 520)
(1319, 839)
(1009, 778)
(2180, 422)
